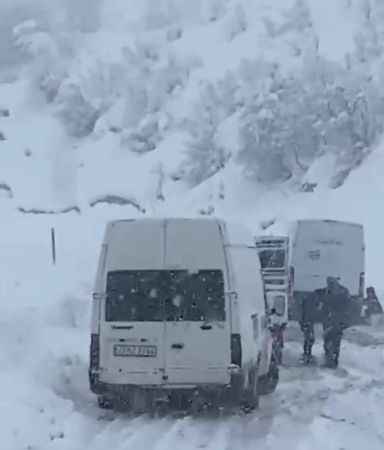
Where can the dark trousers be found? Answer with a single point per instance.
(333, 335)
(308, 330)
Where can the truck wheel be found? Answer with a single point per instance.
(104, 402)
(267, 383)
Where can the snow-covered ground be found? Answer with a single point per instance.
(45, 401)
(44, 309)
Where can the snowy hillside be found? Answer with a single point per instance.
(224, 107)
(180, 108)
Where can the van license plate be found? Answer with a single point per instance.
(135, 350)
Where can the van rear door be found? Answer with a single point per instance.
(132, 318)
(133, 329)
(197, 333)
(197, 343)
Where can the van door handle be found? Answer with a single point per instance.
(122, 327)
(178, 346)
(206, 327)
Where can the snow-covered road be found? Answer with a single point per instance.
(313, 408)
(44, 397)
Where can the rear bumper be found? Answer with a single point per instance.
(100, 387)
(189, 377)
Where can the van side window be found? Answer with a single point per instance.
(157, 295)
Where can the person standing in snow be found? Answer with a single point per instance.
(373, 302)
(371, 306)
(307, 325)
(277, 326)
(334, 302)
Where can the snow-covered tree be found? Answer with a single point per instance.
(302, 117)
(205, 156)
(236, 23)
(78, 115)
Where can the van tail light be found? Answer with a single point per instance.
(94, 356)
(361, 284)
(94, 365)
(236, 349)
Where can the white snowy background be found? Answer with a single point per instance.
(257, 111)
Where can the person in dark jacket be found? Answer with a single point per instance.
(307, 325)
(334, 304)
(373, 303)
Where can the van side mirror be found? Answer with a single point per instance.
(97, 296)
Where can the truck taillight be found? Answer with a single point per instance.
(94, 357)
(361, 284)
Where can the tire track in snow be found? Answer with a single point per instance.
(307, 399)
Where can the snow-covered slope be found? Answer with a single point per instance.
(99, 124)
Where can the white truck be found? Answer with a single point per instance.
(179, 317)
(322, 248)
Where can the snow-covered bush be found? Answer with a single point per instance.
(236, 23)
(205, 156)
(286, 121)
(78, 115)
(326, 110)
(46, 53)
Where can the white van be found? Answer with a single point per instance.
(322, 248)
(179, 317)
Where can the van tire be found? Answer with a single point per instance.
(251, 392)
(104, 402)
(268, 383)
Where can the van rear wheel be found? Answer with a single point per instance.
(104, 402)
(244, 391)
(267, 383)
(251, 400)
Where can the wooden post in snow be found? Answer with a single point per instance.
(53, 245)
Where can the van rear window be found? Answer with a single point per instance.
(162, 295)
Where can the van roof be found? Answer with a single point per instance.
(146, 244)
(337, 222)
(172, 218)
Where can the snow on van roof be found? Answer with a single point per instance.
(336, 222)
(161, 219)
(237, 234)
